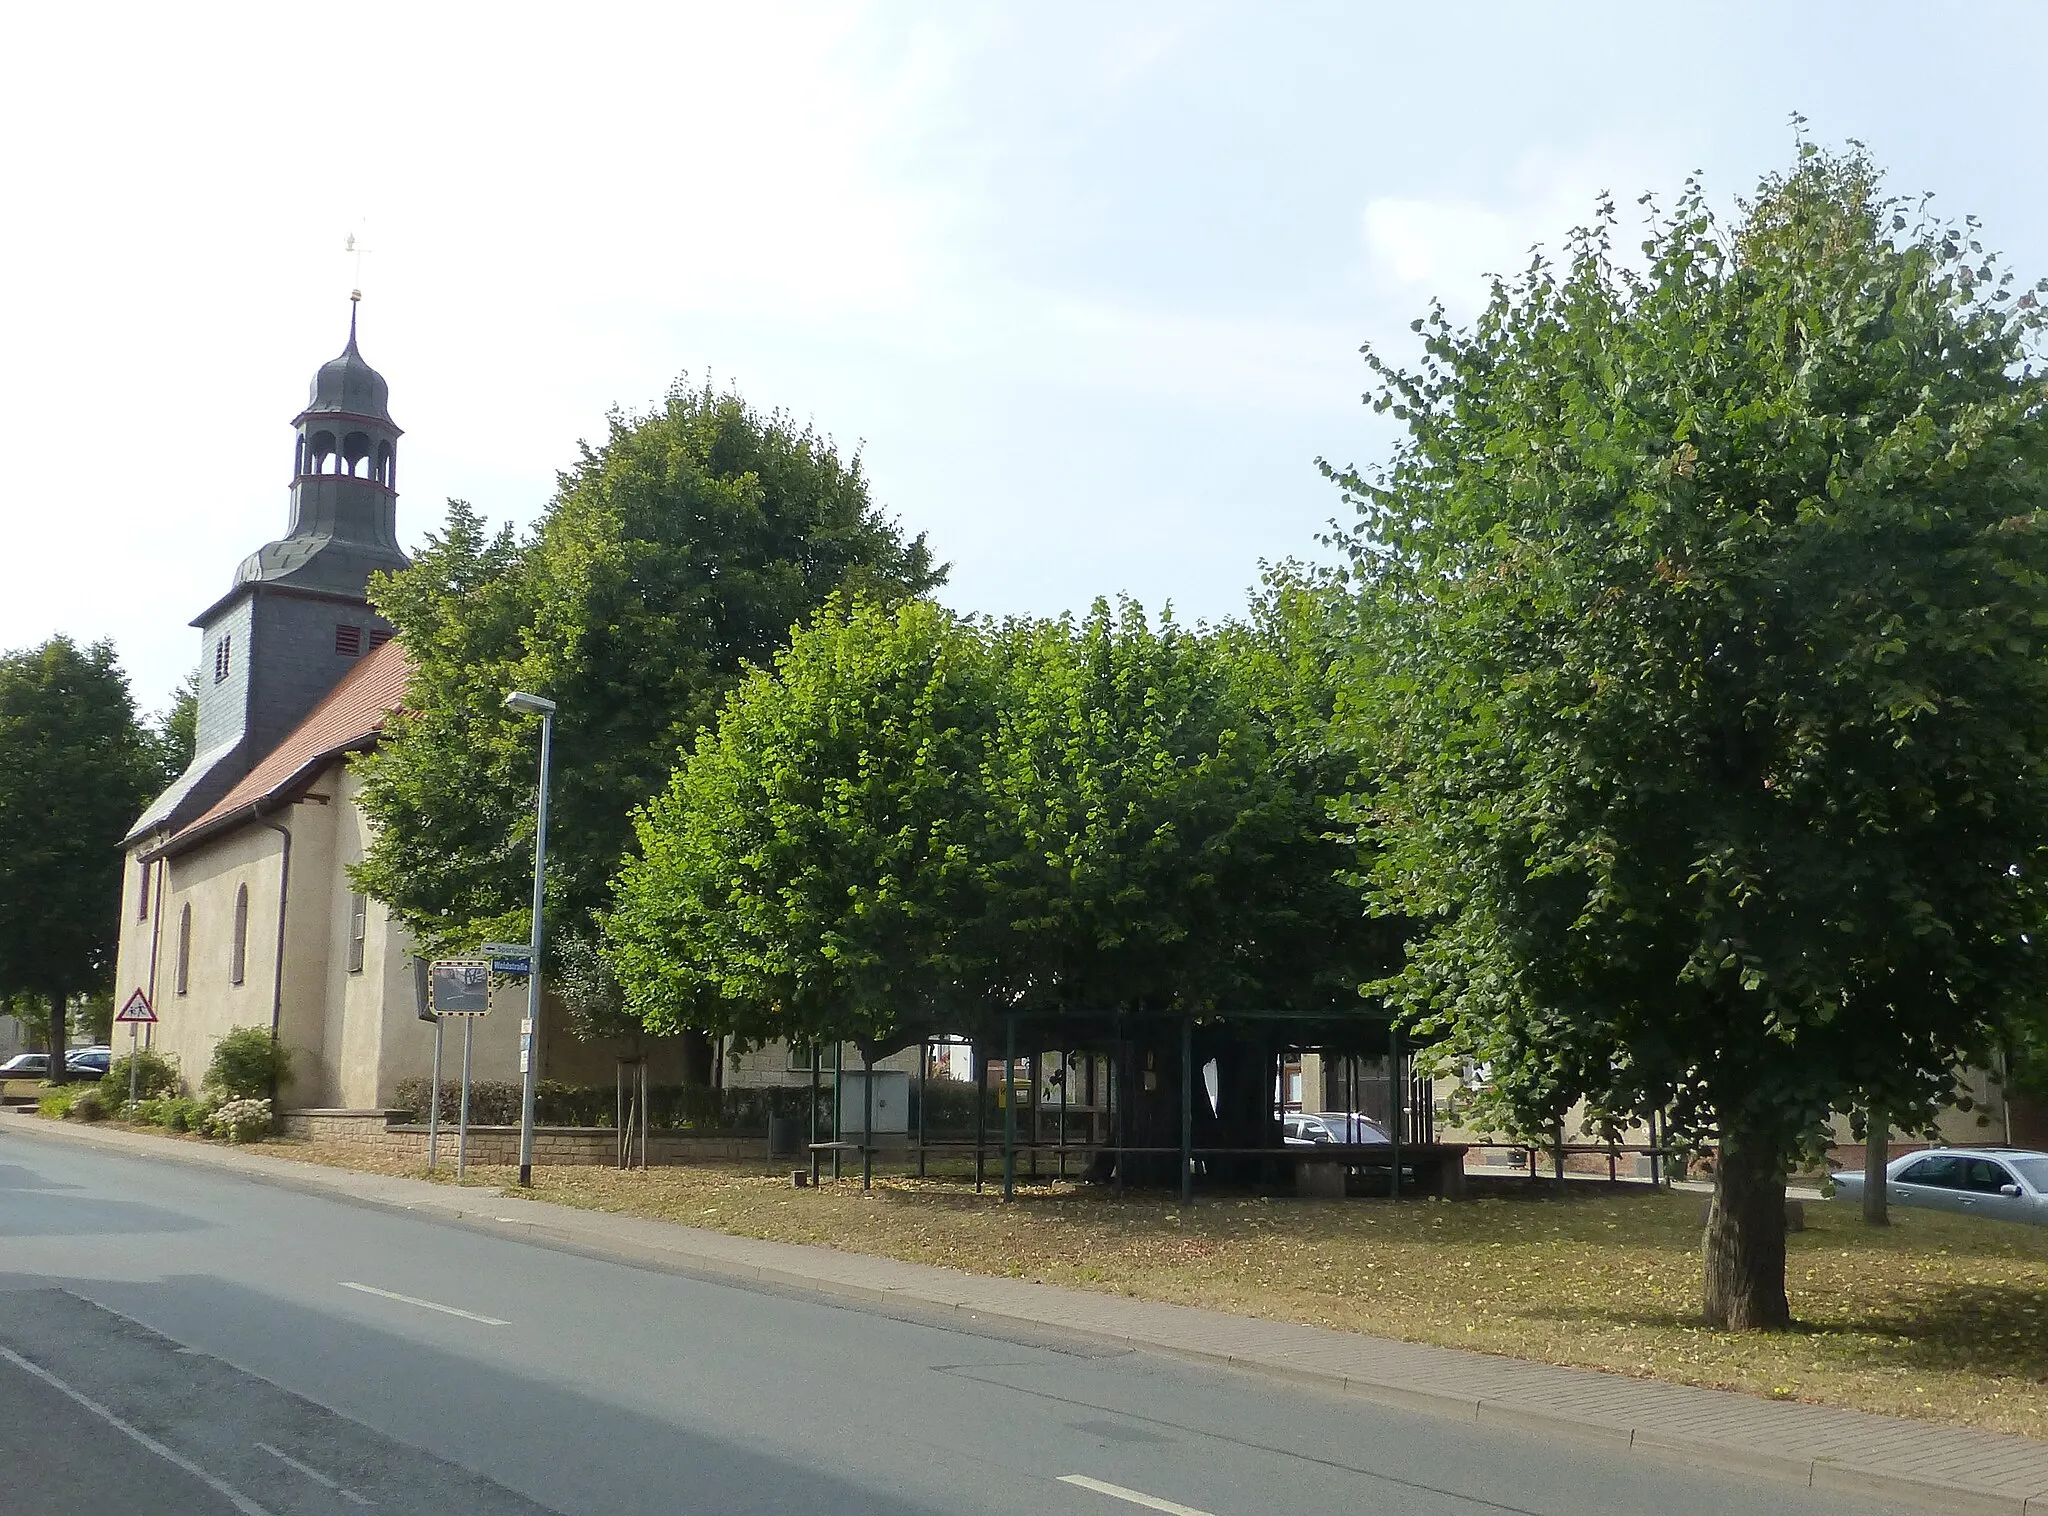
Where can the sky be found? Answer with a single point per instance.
(1084, 284)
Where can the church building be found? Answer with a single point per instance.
(236, 905)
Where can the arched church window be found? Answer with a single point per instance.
(355, 455)
(320, 453)
(358, 930)
(383, 475)
(184, 975)
(238, 953)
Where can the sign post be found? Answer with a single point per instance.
(137, 1013)
(460, 987)
(434, 1105)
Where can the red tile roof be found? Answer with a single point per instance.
(346, 720)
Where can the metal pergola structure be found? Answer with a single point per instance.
(1359, 1033)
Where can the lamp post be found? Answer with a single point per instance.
(533, 705)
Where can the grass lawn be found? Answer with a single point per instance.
(1938, 1317)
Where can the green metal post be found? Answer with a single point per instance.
(838, 1105)
(1066, 1078)
(1032, 1134)
(1187, 1111)
(867, 1119)
(815, 1062)
(1009, 1107)
(1396, 1102)
(980, 1066)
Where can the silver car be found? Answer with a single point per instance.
(2007, 1184)
(1313, 1129)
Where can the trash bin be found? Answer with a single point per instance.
(785, 1136)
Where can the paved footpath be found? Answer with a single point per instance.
(1946, 1468)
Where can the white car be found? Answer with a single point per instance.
(1305, 1129)
(2007, 1184)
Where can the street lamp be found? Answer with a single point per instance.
(533, 705)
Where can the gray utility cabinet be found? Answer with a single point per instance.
(892, 1102)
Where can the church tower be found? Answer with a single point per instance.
(298, 615)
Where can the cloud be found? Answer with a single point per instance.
(1445, 246)
(1449, 248)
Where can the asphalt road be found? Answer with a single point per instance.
(182, 1342)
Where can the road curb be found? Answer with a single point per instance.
(583, 1231)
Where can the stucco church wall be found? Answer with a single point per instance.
(307, 1026)
(137, 936)
(382, 1040)
(567, 1058)
(207, 880)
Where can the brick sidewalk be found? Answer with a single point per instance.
(1948, 1468)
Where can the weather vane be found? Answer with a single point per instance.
(353, 246)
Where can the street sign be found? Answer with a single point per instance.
(459, 986)
(514, 959)
(136, 1011)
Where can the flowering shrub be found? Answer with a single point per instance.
(241, 1120)
(87, 1105)
(247, 1063)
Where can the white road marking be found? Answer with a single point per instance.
(314, 1474)
(220, 1487)
(1135, 1497)
(425, 1305)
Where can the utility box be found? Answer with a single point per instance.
(892, 1103)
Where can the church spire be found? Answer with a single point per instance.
(344, 493)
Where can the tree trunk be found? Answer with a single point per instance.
(1877, 1153)
(697, 1048)
(1745, 1241)
(59, 1041)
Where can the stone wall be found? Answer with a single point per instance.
(396, 1132)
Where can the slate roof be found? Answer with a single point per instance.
(345, 721)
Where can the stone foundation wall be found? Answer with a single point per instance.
(396, 1132)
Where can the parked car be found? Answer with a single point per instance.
(1306, 1129)
(92, 1061)
(25, 1066)
(2008, 1184)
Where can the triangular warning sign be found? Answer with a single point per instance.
(137, 1009)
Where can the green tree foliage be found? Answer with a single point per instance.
(816, 868)
(919, 823)
(1705, 608)
(1158, 805)
(177, 728)
(672, 556)
(77, 768)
